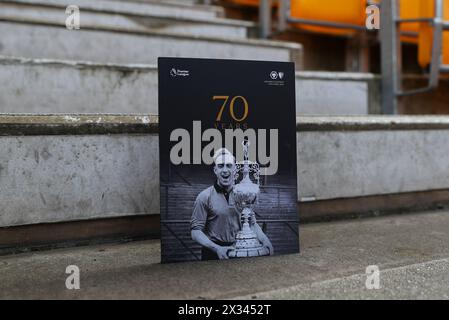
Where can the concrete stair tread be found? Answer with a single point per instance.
(334, 257)
(327, 75)
(185, 3)
(426, 280)
(255, 42)
(151, 7)
(136, 46)
(105, 14)
(416, 177)
(108, 6)
(111, 89)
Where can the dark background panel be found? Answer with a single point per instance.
(183, 100)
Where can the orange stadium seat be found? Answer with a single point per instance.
(352, 12)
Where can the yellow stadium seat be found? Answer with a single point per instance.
(352, 12)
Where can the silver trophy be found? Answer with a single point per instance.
(246, 192)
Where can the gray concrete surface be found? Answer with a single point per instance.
(332, 97)
(129, 17)
(347, 164)
(427, 280)
(180, 9)
(46, 40)
(179, 3)
(58, 173)
(67, 178)
(71, 87)
(410, 250)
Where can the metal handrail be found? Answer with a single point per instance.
(391, 53)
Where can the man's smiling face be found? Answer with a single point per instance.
(225, 173)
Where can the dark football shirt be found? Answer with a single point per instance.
(215, 215)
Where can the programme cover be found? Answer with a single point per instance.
(228, 176)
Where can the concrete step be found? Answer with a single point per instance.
(420, 281)
(129, 17)
(78, 187)
(43, 39)
(411, 252)
(183, 2)
(61, 168)
(68, 87)
(180, 9)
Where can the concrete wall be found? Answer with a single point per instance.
(67, 87)
(45, 40)
(55, 87)
(337, 93)
(55, 176)
(64, 178)
(347, 157)
(354, 164)
(65, 168)
(128, 17)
